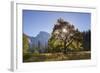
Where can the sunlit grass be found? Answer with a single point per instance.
(38, 57)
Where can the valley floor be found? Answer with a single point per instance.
(34, 57)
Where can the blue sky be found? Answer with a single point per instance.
(36, 21)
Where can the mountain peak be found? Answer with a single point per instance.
(43, 33)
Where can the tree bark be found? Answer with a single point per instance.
(65, 46)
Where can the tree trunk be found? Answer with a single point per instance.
(66, 44)
(64, 47)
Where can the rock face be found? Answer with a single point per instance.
(40, 41)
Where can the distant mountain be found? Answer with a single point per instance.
(40, 41)
(43, 38)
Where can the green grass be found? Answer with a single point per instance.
(36, 57)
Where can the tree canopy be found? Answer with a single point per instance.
(25, 44)
(65, 37)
